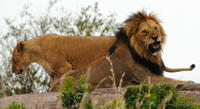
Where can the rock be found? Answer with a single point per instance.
(193, 94)
(51, 100)
(48, 100)
(190, 90)
(188, 87)
(106, 94)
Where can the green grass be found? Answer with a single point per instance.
(15, 105)
(156, 96)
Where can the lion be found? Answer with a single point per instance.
(58, 54)
(137, 53)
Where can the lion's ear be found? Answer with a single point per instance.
(20, 47)
(130, 29)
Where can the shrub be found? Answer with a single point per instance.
(156, 97)
(14, 105)
(72, 92)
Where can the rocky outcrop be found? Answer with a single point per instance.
(188, 87)
(48, 100)
(190, 90)
(51, 100)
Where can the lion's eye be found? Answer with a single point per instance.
(145, 32)
(155, 28)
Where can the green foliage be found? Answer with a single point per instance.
(88, 21)
(88, 103)
(91, 22)
(15, 105)
(153, 96)
(72, 92)
(186, 103)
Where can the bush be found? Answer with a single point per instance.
(14, 105)
(156, 96)
(72, 92)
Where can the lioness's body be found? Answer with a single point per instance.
(59, 54)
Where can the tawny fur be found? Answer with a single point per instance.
(58, 54)
(123, 60)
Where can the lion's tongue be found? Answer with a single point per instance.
(155, 46)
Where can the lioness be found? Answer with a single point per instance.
(137, 53)
(58, 55)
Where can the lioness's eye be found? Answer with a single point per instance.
(14, 61)
(155, 28)
(145, 32)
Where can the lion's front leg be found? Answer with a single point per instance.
(52, 84)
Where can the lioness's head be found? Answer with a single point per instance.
(146, 35)
(20, 61)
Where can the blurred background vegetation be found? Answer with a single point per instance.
(89, 21)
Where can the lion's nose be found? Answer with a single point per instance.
(154, 38)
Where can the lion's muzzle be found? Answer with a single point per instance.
(155, 47)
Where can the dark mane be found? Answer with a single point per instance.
(153, 67)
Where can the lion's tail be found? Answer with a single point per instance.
(179, 69)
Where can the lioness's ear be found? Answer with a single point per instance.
(20, 47)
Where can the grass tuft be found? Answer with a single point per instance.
(154, 96)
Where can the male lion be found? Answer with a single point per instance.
(137, 53)
(58, 54)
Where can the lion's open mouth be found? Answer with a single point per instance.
(155, 47)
